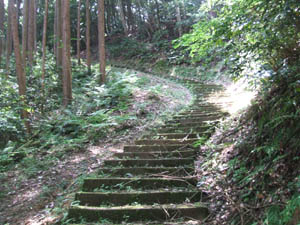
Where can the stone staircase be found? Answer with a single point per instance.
(153, 181)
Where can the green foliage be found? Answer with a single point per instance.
(276, 216)
(127, 48)
(247, 33)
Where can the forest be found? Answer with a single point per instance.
(81, 77)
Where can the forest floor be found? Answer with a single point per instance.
(44, 197)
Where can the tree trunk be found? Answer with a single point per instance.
(130, 20)
(44, 46)
(59, 34)
(30, 37)
(88, 36)
(157, 14)
(178, 16)
(8, 39)
(25, 30)
(67, 80)
(78, 32)
(34, 26)
(2, 13)
(101, 39)
(122, 17)
(19, 66)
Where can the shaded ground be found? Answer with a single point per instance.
(41, 197)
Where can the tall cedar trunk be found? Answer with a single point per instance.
(58, 6)
(88, 36)
(67, 80)
(19, 66)
(157, 13)
(78, 32)
(8, 39)
(35, 2)
(122, 16)
(44, 45)
(2, 12)
(30, 36)
(109, 18)
(55, 30)
(130, 20)
(101, 39)
(25, 30)
(178, 16)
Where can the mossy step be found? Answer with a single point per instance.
(191, 129)
(200, 117)
(155, 155)
(156, 148)
(91, 184)
(171, 136)
(141, 198)
(190, 122)
(164, 141)
(148, 171)
(193, 115)
(180, 136)
(186, 125)
(197, 112)
(167, 162)
(139, 213)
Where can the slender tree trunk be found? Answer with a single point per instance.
(101, 39)
(78, 32)
(8, 39)
(178, 16)
(109, 18)
(88, 36)
(19, 65)
(30, 36)
(67, 80)
(157, 13)
(55, 30)
(25, 30)
(122, 17)
(35, 2)
(59, 34)
(44, 47)
(130, 21)
(2, 13)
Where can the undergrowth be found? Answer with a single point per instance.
(97, 111)
(255, 163)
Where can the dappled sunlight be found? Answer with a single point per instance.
(234, 98)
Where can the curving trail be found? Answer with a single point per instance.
(153, 181)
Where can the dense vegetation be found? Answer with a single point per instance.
(254, 39)
(258, 40)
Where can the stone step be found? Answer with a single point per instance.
(155, 155)
(164, 141)
(139, 213)
(180, 136)
(186, 125)
(196, 129)
(166, 162)
(148, 171)
(156, 148)
(141, 198)
(200, 115)
(191, 121)
(95, 184)
(199, 111)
